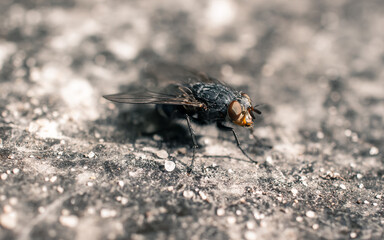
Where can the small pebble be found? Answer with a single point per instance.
(250, 225)
(359, 176)
(53, 179)
(107, 213)
(378, 196)
(320, 135)
(342, 186)
(188, 194)
(353, 235)
(220, 212)
(91, 154)
(157, 137)
(4, 176)
(1, 143)
(69, 221)
(16, 170)
(315, 226)
(124, 200)
(121, 183)
(231, 220)
(8, 220)
(294, 191)
(361, 185)
(202, 195)
(169, 166)
(310, 214)
(60, 189)
(162, 154)
(250, 235)
(373, 151)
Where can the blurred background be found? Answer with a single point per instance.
(317, 66)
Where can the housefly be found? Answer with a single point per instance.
(180, 92)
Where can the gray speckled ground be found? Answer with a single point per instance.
(76, 166)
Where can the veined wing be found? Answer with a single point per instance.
(172, 95)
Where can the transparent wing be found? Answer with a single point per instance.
(172, 94)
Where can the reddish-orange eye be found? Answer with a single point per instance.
(234, 110)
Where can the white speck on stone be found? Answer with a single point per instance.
(353, 235)
(238, 212)
(310, 214)
(258, 215)
(89, 184)
(69, 221)
(108, 213)
(188, 194)
(299, 219)
(169, 166)
(230, 171)
(60, 189)
(378, 196)
(347, 132)
(8, 220)
(1, 143)
(157, 137)
(359, 176)
(250, 225)
(231, 220)
(250, 235)
(294, 191)
(4, 176)
(220, 212)
(53, 179)
(121, 183)
(342, 186)
(366, 202)
(220, 13)
(124, 200)
(162, 154)
(202, 195)
(373, 151)
(315, 226)
(16, 171)
(374, 204)
(320, 135)
(41, 209)
(269, 159)
(13, 201)
(361, 185)
(91, 154)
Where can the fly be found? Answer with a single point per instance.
(197, 97)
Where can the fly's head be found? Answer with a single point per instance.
(241, 112)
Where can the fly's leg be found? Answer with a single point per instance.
(221, 126)
(189, 169)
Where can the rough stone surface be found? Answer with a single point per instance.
(74, 165)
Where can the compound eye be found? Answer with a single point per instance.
(234, 110)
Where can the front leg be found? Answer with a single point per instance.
(189, 169)
(221, 126)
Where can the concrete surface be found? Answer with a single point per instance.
(74, 166)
